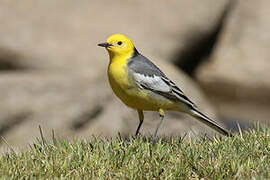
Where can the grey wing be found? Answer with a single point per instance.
(149, 76)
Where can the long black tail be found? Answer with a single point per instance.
(209, 122)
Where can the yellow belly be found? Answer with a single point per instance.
(131, 94)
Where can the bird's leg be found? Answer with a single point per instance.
(161, 115)
(141, 117)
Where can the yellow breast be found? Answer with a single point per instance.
(123, 86)
(118, 78)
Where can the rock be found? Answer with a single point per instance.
(54, 75)
(239, 67)
(66, 37)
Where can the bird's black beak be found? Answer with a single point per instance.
(104, 44)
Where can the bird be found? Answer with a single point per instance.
(142, 86)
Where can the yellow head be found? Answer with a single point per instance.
(118, 45)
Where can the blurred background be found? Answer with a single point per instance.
(53, 74)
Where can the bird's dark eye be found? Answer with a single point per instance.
(119, 43)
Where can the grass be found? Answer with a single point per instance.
(241, 157)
